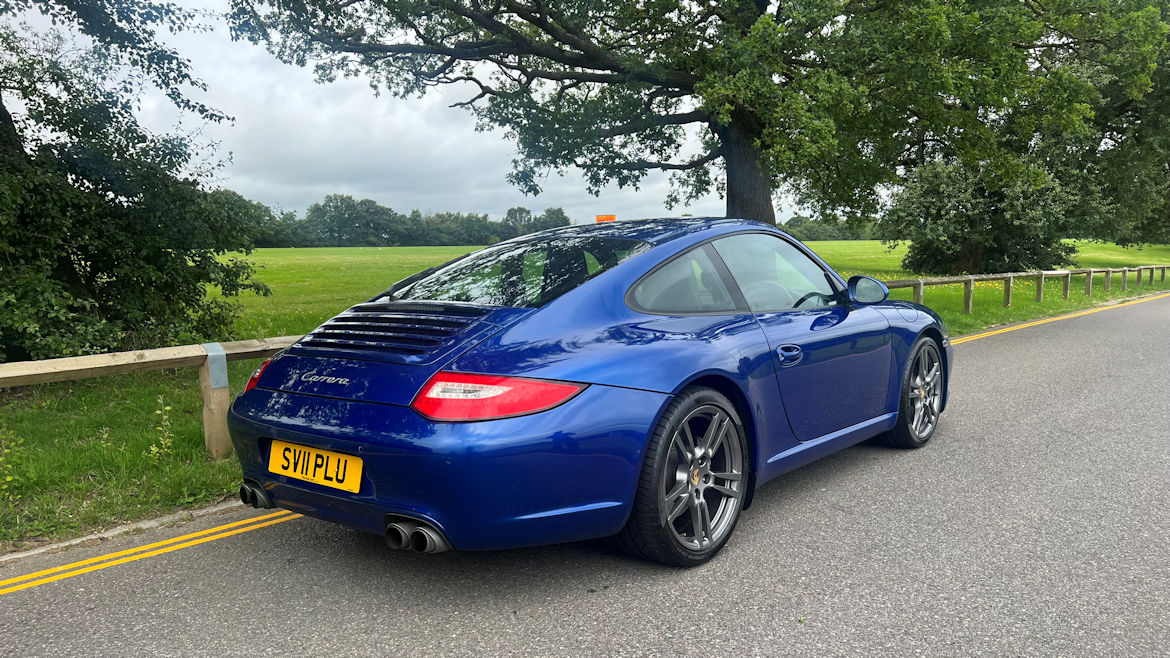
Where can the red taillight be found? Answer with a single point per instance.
(458, 396)
(256, 375)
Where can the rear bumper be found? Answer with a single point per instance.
(562, 475)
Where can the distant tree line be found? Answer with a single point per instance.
(828, 227)
(339, 220)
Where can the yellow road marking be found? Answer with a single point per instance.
(110, 556)
(104, 561)
(996, 332)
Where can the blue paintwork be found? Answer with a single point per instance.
(551, 477)
(570, 473)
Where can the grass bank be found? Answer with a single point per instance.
(97, 453)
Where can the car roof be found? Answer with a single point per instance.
(655, 231)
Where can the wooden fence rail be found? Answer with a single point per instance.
(212, 358)
(1009, 279)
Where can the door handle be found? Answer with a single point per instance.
(789, 355)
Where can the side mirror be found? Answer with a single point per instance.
(867, 290)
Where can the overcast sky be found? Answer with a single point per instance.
(295, 140)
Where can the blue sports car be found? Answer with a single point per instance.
(636, 380)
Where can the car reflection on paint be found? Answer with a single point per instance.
(636, 380)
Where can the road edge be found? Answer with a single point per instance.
(148, 524)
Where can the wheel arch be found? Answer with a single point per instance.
(733, 392)
(934, 333)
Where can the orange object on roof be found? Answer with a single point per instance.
(607, 218)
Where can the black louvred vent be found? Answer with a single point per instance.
(411, 330)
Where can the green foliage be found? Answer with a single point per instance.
(550, 218)
(965, 221)
(108, 238)
(827, 227)
(124, 32)
(11, 454)
(1082, 151)
(520, 217)
(163, 444)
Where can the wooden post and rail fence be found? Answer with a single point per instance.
(212, 358)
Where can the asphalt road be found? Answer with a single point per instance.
(1037, 522)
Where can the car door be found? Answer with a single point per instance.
(832, 359)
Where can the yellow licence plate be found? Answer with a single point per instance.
(331, 469)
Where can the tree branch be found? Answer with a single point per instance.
(642, 165)
(644, 123)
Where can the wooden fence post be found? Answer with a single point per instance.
(1124, 279)
(1151, 276)
(1089, 283)
(1067, 284)
(1139, 276)
(968, 294)
(1163, 274)
(213, 386)
(1108, 278)
(919, 291)
(1008, 283)
(1040, 287)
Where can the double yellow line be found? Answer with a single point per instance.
(140, 552)
(1025, 325)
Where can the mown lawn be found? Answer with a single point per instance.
(311, 285)
(85, 458)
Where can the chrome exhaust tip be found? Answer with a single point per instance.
(254, 495)
(398, 534)
(427, 540)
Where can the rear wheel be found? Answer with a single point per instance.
(921, 398)
(693, 482)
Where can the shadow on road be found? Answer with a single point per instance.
(369, 569)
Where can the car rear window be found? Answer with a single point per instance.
(529, 272)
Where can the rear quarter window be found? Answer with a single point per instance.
(688, 284)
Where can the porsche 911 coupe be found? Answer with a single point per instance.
(636, 380)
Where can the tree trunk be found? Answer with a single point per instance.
(749, 187)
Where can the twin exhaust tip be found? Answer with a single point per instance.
(415, 536)
(254, 495)
(404, 534)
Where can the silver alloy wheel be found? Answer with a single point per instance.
(925, 391)
(704, 478)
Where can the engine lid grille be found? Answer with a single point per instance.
(402, 332)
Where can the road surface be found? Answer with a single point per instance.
(1036, 522)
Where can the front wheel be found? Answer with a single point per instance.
(693, 482)
(921, 397)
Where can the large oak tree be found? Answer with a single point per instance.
(828, 100)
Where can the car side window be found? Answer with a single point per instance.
(688, 284)
(773, 274)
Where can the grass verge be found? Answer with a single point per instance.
(80, 453)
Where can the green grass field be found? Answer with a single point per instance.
(85, 459)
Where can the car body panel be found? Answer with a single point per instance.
(504, 483)
(843, 354)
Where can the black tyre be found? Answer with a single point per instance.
(921, 400)
(693, 482)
